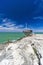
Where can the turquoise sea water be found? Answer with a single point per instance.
(5, 36)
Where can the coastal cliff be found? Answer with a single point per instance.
(25, 51)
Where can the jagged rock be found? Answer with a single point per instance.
(28, 32)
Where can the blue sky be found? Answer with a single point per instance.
(15, 14)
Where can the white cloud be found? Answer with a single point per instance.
(39, 17)
(20, 26)
(10, 29)
(39, 30)
(6, 20)
(8, 23)
(18, 29)
(9, 26)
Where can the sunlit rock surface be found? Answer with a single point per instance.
(26, 51)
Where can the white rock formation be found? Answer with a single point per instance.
(27, 51)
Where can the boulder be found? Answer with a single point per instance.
(28, 32)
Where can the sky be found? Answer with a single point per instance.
(15, 14)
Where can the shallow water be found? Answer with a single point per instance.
(5, 36)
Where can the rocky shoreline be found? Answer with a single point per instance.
(25, 51)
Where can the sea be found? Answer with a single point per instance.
(5, 36)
